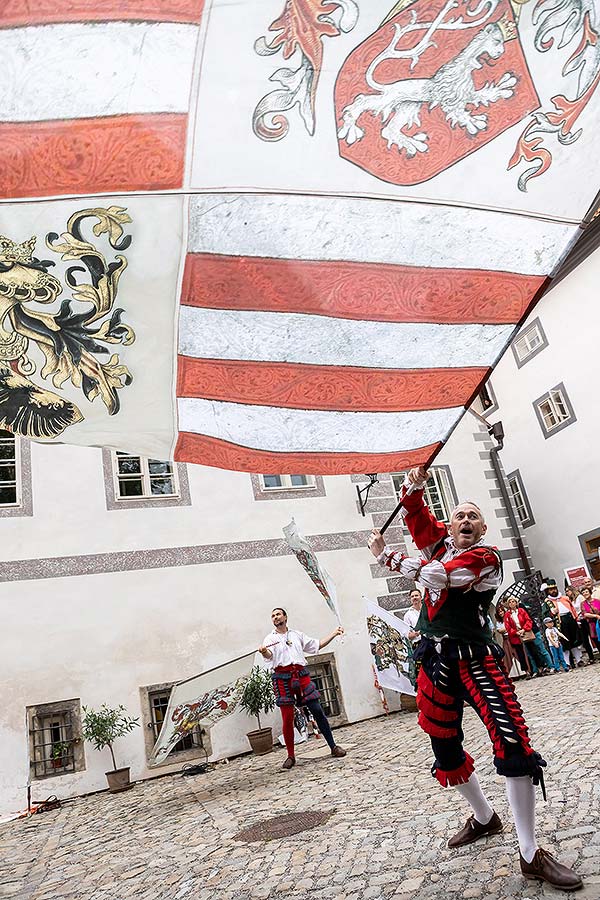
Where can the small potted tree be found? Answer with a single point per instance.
(102, 727)
(258, 697)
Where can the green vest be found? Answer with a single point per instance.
(459, 617)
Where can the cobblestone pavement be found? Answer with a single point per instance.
(174, 837)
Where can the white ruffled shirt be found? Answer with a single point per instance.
(292, 654)
(434, 577)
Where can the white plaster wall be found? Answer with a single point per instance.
(70, 481)
(101, 637)
(560, 473)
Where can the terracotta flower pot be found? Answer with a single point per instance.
(118, 780)
(261, 740)
(408, 703)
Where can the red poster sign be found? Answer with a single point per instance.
(577, 575)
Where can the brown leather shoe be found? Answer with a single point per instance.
(289, 763)
(545, 868)
(472, 830)
(338, 752)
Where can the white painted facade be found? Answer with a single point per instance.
(102, 636)
(560, 472)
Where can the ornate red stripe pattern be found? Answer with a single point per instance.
(300, 386)
(356, 290)
(46, 12)
(90, 156)
(209, 451)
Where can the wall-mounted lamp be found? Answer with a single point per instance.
(365, 490)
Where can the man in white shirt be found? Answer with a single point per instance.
(411, 616)
(284, 650)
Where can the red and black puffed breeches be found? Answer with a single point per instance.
(293, 685)
(454, 673)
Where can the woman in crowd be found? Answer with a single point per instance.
(510, 657)
(561, 607)
(571, 593)
(590, 610)
(517, 622)
(582, 625)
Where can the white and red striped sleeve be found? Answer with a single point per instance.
(424, 528)
(478, 568)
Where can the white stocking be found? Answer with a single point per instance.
(577, 654)
(521, 799)
(473, 794)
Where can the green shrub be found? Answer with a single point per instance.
(104, 726)
(257, 693)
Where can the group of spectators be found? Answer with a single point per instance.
(554, 640)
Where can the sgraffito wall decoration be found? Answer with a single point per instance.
(281, 235)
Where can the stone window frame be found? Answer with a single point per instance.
(113, 501)
(572, 418)
(583, 538)
(488, 410)
(319, 659)
(194, 753)
(516, 476)
(24, 505)
(72, 708)
(317, 489)
(523, 360)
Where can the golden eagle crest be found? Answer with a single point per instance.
(72, 341)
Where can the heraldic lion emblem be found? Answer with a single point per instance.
(73, 343)
(451, 87)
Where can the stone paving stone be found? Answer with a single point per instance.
(173, 838)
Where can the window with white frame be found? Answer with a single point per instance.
(439, 493)
(554, 410)
(529, 342)
(286, 482)
(520, 499)
(9, 469)
(141, 478)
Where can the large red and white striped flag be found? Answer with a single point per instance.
(284, 237)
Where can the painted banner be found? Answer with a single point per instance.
(281, 235)
(201, 701)
(391, 648)
(307, 558)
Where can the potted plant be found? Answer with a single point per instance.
(258, 697)
(102, 727)
(60, 754)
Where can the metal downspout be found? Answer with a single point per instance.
(497, 432)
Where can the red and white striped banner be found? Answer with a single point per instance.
(323, 221)
(358, 345)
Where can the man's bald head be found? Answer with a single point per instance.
(468, 503)
(467, 525)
